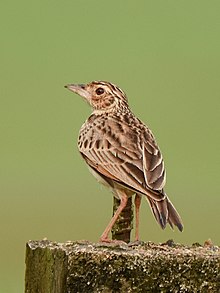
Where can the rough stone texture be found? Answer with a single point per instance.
(144, 267)
(46, 268)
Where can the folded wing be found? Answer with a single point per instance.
(127, 155)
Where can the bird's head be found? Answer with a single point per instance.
(101, 95)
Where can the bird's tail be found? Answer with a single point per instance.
(165, 212)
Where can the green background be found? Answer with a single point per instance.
(164, 54)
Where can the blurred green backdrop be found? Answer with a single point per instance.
(164, 54)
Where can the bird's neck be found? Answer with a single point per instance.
(122, 109)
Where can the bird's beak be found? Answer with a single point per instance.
(78, 89)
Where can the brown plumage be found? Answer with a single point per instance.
(122, 153)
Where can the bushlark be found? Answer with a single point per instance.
(121, 152)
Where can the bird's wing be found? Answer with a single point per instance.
(128, 156)
(153, 165)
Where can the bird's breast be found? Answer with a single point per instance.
(110, 130)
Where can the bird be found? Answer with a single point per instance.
(122, 153)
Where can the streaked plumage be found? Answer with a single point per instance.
(122, 153)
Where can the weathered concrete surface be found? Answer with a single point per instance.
(46, 267)
(147, 267)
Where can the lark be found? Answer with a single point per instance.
(122, 153)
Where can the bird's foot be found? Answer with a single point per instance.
(110, 241)
(136, 243)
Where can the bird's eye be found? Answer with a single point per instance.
(100, 91)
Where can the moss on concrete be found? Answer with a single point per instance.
(144, 267)
(46, 268)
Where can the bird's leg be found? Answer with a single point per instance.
(137, 203)
(104, 237)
